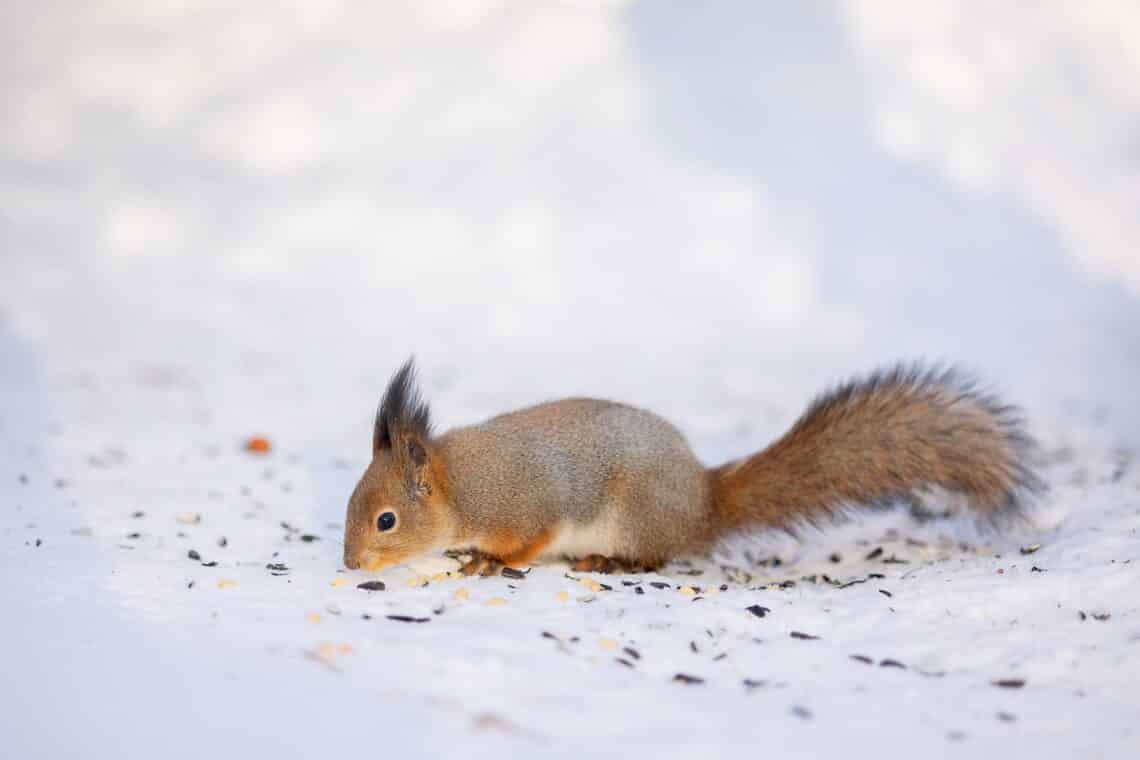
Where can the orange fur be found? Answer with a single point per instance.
(511, 548)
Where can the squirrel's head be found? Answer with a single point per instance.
(399, 507)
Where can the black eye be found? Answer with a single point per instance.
(386, 521)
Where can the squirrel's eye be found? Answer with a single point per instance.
(386, 521)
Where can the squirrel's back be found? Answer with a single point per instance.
(577, 465)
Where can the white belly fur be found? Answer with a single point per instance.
(575, 540)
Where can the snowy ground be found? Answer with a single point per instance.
(119, 642)
(219, 224)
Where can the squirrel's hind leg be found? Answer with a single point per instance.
(597, 563)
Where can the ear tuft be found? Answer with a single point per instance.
(402, 410)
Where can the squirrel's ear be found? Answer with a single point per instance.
(419, 473)
(402, 410)
(416, 453)
(381, 435)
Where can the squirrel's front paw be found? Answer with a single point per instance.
(483, 565)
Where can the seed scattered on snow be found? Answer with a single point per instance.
(338, 582)
(758, 611)
(875, 553)
(591, 584)
(863, 659)
(194, 555)
(563, 596)
(623, 661)
(632, 652)
(461, 595)
(496, 601)
(186, 518)
(608, 644)
(258, 445)
(659, 584)
(687, 591)
(889, 663)
(1030, 549)
(313, 617)
(407, 619)
(328, 651)
(801, 712)
(1006, 717)
(1009, 683)
(803, 636)
(510, 572)
(687, 679)
(371, 585)
(227, 584)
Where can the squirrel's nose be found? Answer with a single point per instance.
(350, 561)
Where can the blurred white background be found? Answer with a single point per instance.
(695, 207)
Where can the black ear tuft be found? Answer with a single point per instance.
(402, 410)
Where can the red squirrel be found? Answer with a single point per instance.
(613, 487)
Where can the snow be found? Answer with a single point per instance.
(208, 233)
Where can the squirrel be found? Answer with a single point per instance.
(611, 487)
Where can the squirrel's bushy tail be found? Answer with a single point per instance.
(886, 438)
